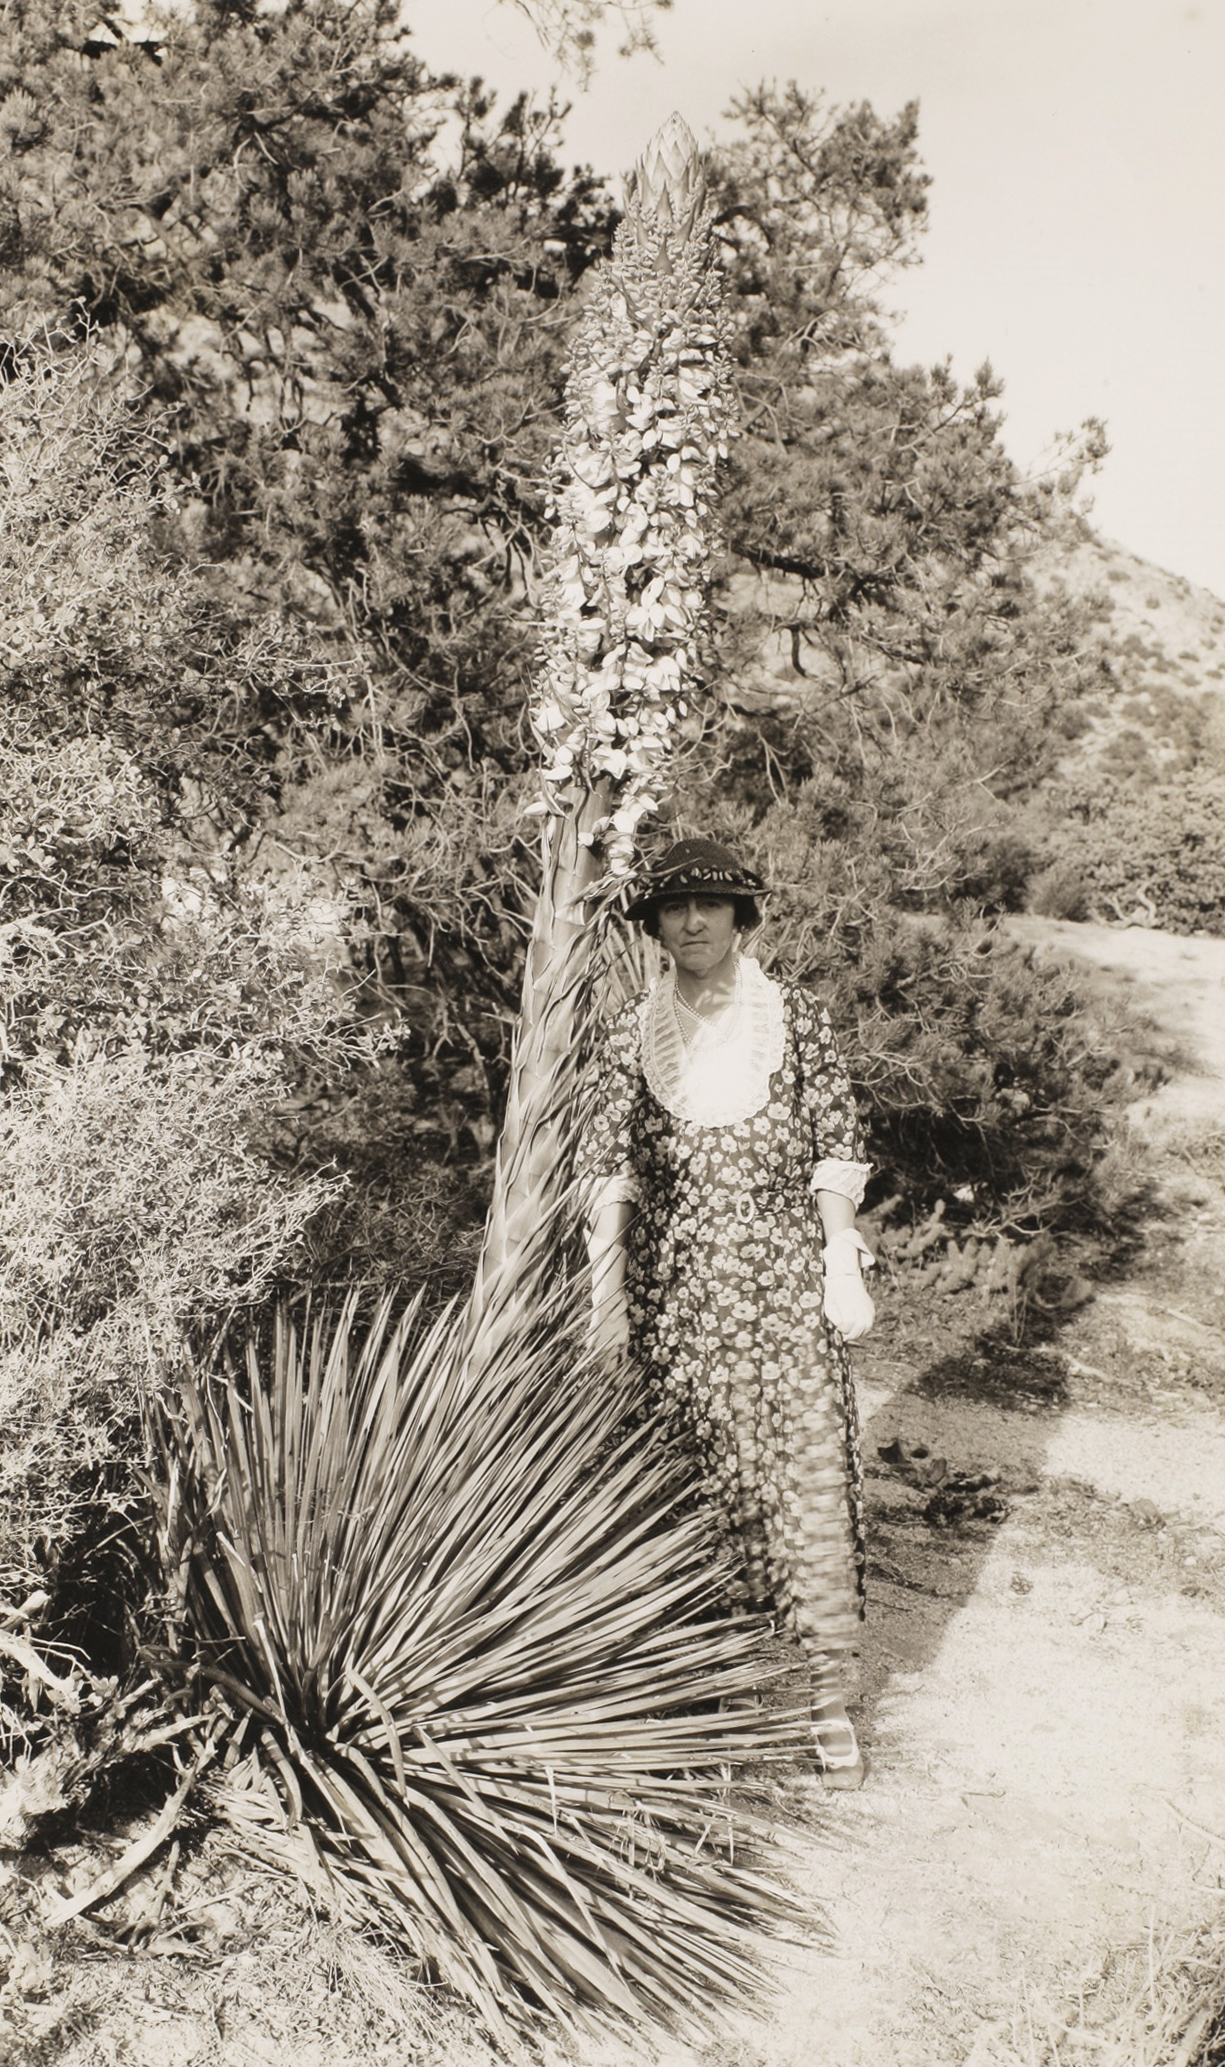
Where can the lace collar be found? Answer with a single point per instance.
(723, 1075)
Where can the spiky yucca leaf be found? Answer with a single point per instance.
(482, 1634)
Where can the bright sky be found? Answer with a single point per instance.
(1077, 234)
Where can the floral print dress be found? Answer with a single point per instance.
(725, 1295)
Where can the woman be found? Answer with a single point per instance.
(724, 1166)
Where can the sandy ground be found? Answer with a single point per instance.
(1044, 1697)
(1043, 1693)
(1177, 982)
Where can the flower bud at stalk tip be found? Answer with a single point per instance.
(667, 184)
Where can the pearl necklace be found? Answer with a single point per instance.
(717, 1025)
(722, 1074)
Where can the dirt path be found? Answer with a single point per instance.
(1044, 1696)
(1043, 1690)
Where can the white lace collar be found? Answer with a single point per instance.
(723, 1075)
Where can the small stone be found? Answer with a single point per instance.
(221, 1920)
(30, 1970)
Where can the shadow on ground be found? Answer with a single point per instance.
(948, 1455)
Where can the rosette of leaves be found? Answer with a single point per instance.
(480, 1652)
(649, 412)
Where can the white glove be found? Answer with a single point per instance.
(848, 1302)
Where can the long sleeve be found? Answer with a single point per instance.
(839, 1164)
(604, 1167)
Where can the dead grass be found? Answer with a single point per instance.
(1198, 1146)
(1159, 2003)
(242, 1968)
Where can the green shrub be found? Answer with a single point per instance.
(1156, 855)
(979, 1071)
(158, 1000)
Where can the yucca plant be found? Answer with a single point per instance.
(455, 1575)
(481, 1643)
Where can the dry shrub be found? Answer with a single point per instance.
(1199, 1144)
(1061, 890)
(130, 1201)
(157, 996)
(1157, 2003)
(1153, 853)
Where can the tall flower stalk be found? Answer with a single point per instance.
(649, 413)
(451, 1578)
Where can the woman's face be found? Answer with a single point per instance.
(698, 932)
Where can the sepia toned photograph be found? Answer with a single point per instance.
(612, 963)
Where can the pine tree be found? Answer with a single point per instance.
(359, 359)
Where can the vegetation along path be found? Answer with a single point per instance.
(1045, 1657)
(1044, 1703)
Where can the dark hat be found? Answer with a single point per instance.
(695, 868)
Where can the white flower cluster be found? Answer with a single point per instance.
(648, 416)
(186, 904)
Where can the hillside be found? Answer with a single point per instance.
(1130, 825)
(1163, 642)
(1160, 630)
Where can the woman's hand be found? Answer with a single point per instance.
(849, 1305)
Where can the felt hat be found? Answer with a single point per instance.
(695, 868)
